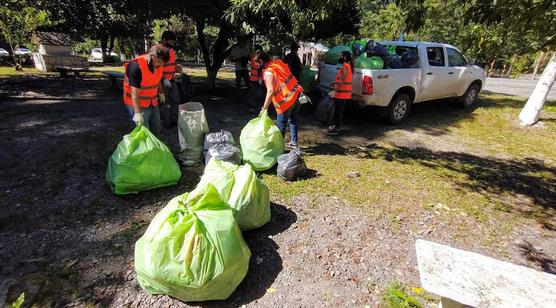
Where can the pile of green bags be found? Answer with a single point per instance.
(193, 249)
(307, 78)
(261, 142)
(240, 188)
(332, 55)
(369, 63)
(141, 162)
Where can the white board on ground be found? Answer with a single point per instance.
(480, 281)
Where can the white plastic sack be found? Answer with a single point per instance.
(192, 127)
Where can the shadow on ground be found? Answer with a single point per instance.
(528, 177)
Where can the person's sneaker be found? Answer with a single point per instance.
(292, 146)
(332, 131)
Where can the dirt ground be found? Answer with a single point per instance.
(67, 241)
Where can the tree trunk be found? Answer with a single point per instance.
(103, 47)
(18, 66)
(531, 112)
(111, 45)
(211, 78)
(200, 26)
(537, 64)
(491, 68)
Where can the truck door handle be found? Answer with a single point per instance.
(450, 73)
(429, 73)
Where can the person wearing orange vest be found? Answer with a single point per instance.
(170, 109)
(143, 89)
(255, 67)
(282, 89)
(256, 88)
(342, 92)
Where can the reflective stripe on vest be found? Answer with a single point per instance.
(148, 92)
(343, 87)
(254, 72)
(169, 68)
(286, 88)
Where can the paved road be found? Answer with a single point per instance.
(522, 88)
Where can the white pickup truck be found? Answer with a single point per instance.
(442, 72)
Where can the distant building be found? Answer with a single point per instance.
(311, 53)
(54, 50)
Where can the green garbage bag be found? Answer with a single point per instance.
(141, 162)
(261, 142)
(369, 63)
(307, 78)
(332, 55)
(240, 187)
(193, 249)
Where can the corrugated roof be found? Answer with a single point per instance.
(51, 38)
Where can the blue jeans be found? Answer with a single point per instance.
(289, 117)
(151, 117)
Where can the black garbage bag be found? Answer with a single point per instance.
(410, 59)
(225, 152)
(394, 62)
(325, 110)
(212, 139)
(291, 165)
(377, 49)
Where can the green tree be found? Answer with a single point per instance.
(17, 23)
(382, 22)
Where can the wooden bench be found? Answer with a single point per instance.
(114, 77)
(63, 70)
(464, 279)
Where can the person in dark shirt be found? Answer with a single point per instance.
(293, 61)
(144, 111)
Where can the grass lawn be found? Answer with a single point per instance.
(480, 168)
(9, 71)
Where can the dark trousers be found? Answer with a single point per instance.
(169, 111)
(242, 75)
(289, 117)
(339, 112)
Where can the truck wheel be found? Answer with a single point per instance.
(399, 108)
(468, 99)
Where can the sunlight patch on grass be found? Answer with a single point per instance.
(384, 186)
(9, 71)
(494, 128)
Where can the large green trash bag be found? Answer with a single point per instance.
(240, 187)
(332, 55)
(261, 142)
(193, 249)
(141, 162)
(307, 78)
(369, 63)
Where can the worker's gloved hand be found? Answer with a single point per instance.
(162, 98)
(304, 99)
(332, 94)
(138, 118)
(263, 111)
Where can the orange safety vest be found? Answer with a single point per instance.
(286, 88)
(254, 72)
(343, 87)
(169, 68)
(148, 93)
